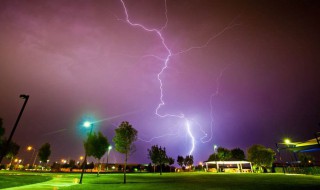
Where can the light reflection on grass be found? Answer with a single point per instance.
(13, 179)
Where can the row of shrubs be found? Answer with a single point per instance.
(315, 170)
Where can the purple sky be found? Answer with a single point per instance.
(258, 68)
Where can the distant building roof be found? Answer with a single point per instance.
(311, 145)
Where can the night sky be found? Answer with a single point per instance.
(242, 72)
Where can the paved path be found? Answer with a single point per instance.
(54, 184)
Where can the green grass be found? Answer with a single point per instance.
(203, 181)
(13, 179)
(168, 181)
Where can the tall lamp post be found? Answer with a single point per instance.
(29, 148)
(215, 148)
(109, 149)
(26, 98)
(86, 124)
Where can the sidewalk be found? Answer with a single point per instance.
(54, 184)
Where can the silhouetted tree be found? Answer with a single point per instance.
(213, 157)
(55, 167)
(261, 156)
(2, 141)
(188, 161)
(139, 167)
(180, 161)
(90, 166)
(2, 130)
(44, 152)
(72, 164)
(305, 159)
(237, 154)
(7, 150)
(123, 139)
(170, 162)
(158, 156)
(65, 165)
(96, 145)
(223, 153)
(149, 168)
(119, 168)
(12, 151)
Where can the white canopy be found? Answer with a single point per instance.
(238, 163)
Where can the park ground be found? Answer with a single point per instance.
(168, 181)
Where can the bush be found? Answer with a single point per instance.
(2, 167)
(299, 170)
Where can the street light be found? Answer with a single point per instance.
(5, 149)
(215, 148)
(201, 164)
(287, 141)
(29, 148)
(86, 124)
(109, 149)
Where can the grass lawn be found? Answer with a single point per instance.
(203, 181)
(13, 179)
(170, 181)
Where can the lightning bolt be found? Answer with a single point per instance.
(191, 136)
(157, 137)
(205, 138)
(166, 61)
(116, 116)
(231, 25)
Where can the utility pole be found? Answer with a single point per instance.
(6, 147)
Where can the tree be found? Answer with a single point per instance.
(158, 156)
(44, 152)
(223, 154)
(213, 157)
(180, 161)
(96, 145)
(72, 164)
(188, 161)
(261, 156)
(12, 151)
(305, 159)
(2, 141)
(55, 167)
(170, 162)
(90, 166)
(1, 129)
(7, 150)
(123, 139)
(237, 154)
